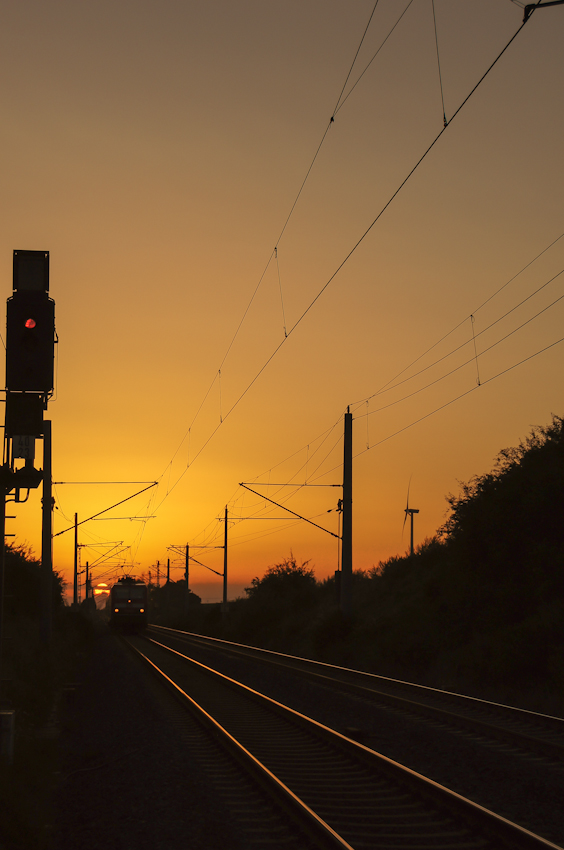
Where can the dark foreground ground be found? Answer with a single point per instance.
(112, 769)
(119, 766)
(127, 778)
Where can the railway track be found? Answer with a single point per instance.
(530, 731)
(336, 791)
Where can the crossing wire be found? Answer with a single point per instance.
(342, 103)
(368, 413)
(448, 403)
(288, 217)
(466, 363)
(343, 263)
(390, 385)
(296, 487)
(352, 250)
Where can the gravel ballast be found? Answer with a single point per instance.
(127, 778)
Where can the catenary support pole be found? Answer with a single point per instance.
(187, 575)
(75, 575)
(346, 554)
(47, 538)
(2, 567)
(7, 714)
(224, 607)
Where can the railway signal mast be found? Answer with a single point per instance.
(30, 354)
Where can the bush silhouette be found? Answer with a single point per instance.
(287, 583)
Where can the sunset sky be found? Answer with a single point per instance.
(213, 323)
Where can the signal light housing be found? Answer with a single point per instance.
(30, 342)
(24, 414)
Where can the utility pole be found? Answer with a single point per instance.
(346, 554)
(222, 575)
(158, 573)
(168, 571)
(47, 538)
(2, 565)
(224, 606)
(87, 582)
(75, 575)
(187, 575)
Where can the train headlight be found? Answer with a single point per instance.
(141, 610)
(116, 610)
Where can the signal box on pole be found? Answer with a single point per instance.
(30, 326)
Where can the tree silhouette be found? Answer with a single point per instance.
(287, 582)
(511, 517)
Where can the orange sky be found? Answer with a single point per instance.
(156, 151)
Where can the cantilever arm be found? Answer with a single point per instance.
(530, 7)
(284, 508)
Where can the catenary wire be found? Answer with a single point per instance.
(280, 235)
(340, 106)
(390, 386)
(462, 322)
(410, 395)
(355, 57)
(451, 401)
(297, 486)
(347, 257)
(460, 366)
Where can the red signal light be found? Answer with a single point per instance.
(30, 342)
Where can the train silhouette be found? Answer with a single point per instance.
(128, 604)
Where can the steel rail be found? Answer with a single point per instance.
(491, 825)
(368, 686)
(322, 835)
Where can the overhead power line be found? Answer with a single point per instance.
(451, 401)
(296, 486)
(284, 226)
(352, 88)
(345, 260)
(391, 385)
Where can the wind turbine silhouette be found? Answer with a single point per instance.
(409, 511)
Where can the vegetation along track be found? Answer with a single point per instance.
(528, 730)
(365, 799)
